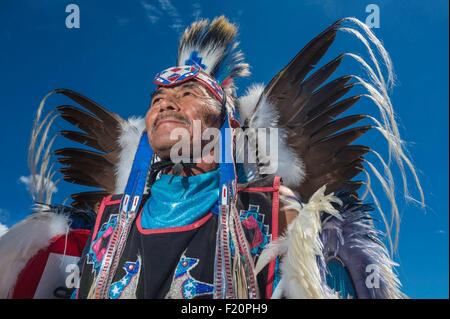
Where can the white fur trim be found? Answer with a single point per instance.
(128, 141)
(23, 241)
(288, 164)
(262, 114)
(247, 103)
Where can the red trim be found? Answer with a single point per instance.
(275, 210)
(110, 202)
(192, 226)
(105, 202)
(257, 189)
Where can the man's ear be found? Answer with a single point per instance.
(214, 120)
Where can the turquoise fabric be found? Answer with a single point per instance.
(179, 200)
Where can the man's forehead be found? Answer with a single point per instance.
(187, 85)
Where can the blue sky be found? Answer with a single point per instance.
(121, 45)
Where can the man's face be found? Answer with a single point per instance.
(178, 107)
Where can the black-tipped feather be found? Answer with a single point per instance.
(107, 117)
(100, 130)
(87, 199)
(335, 126)
(81, 138)
(308, 105)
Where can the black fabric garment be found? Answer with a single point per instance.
(162, 251)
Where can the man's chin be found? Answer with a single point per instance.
(163, 150)
(161, 141)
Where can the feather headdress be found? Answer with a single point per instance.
(213, 47)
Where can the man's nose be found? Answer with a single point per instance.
(168, 104)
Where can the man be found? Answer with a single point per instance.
(226, 218)
(171, 249)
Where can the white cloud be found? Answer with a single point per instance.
(331, 8)
(4, 215)
(3, 229)
(153, 19)
(152, 12)
(176, 26)
(38, 185)
(149, 7)
(197, 10)
(162, 8)
(170, 9)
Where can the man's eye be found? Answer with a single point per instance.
(156, 100)
(187, 93)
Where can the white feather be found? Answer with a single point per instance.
(273, 249)
(211, 55)
(378, 91)
(129, 140)
(40, 182)
(23, 241)
(278, 293)
(300, 247)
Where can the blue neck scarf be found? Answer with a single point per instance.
(179, 200)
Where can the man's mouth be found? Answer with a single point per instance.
(170, 119)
